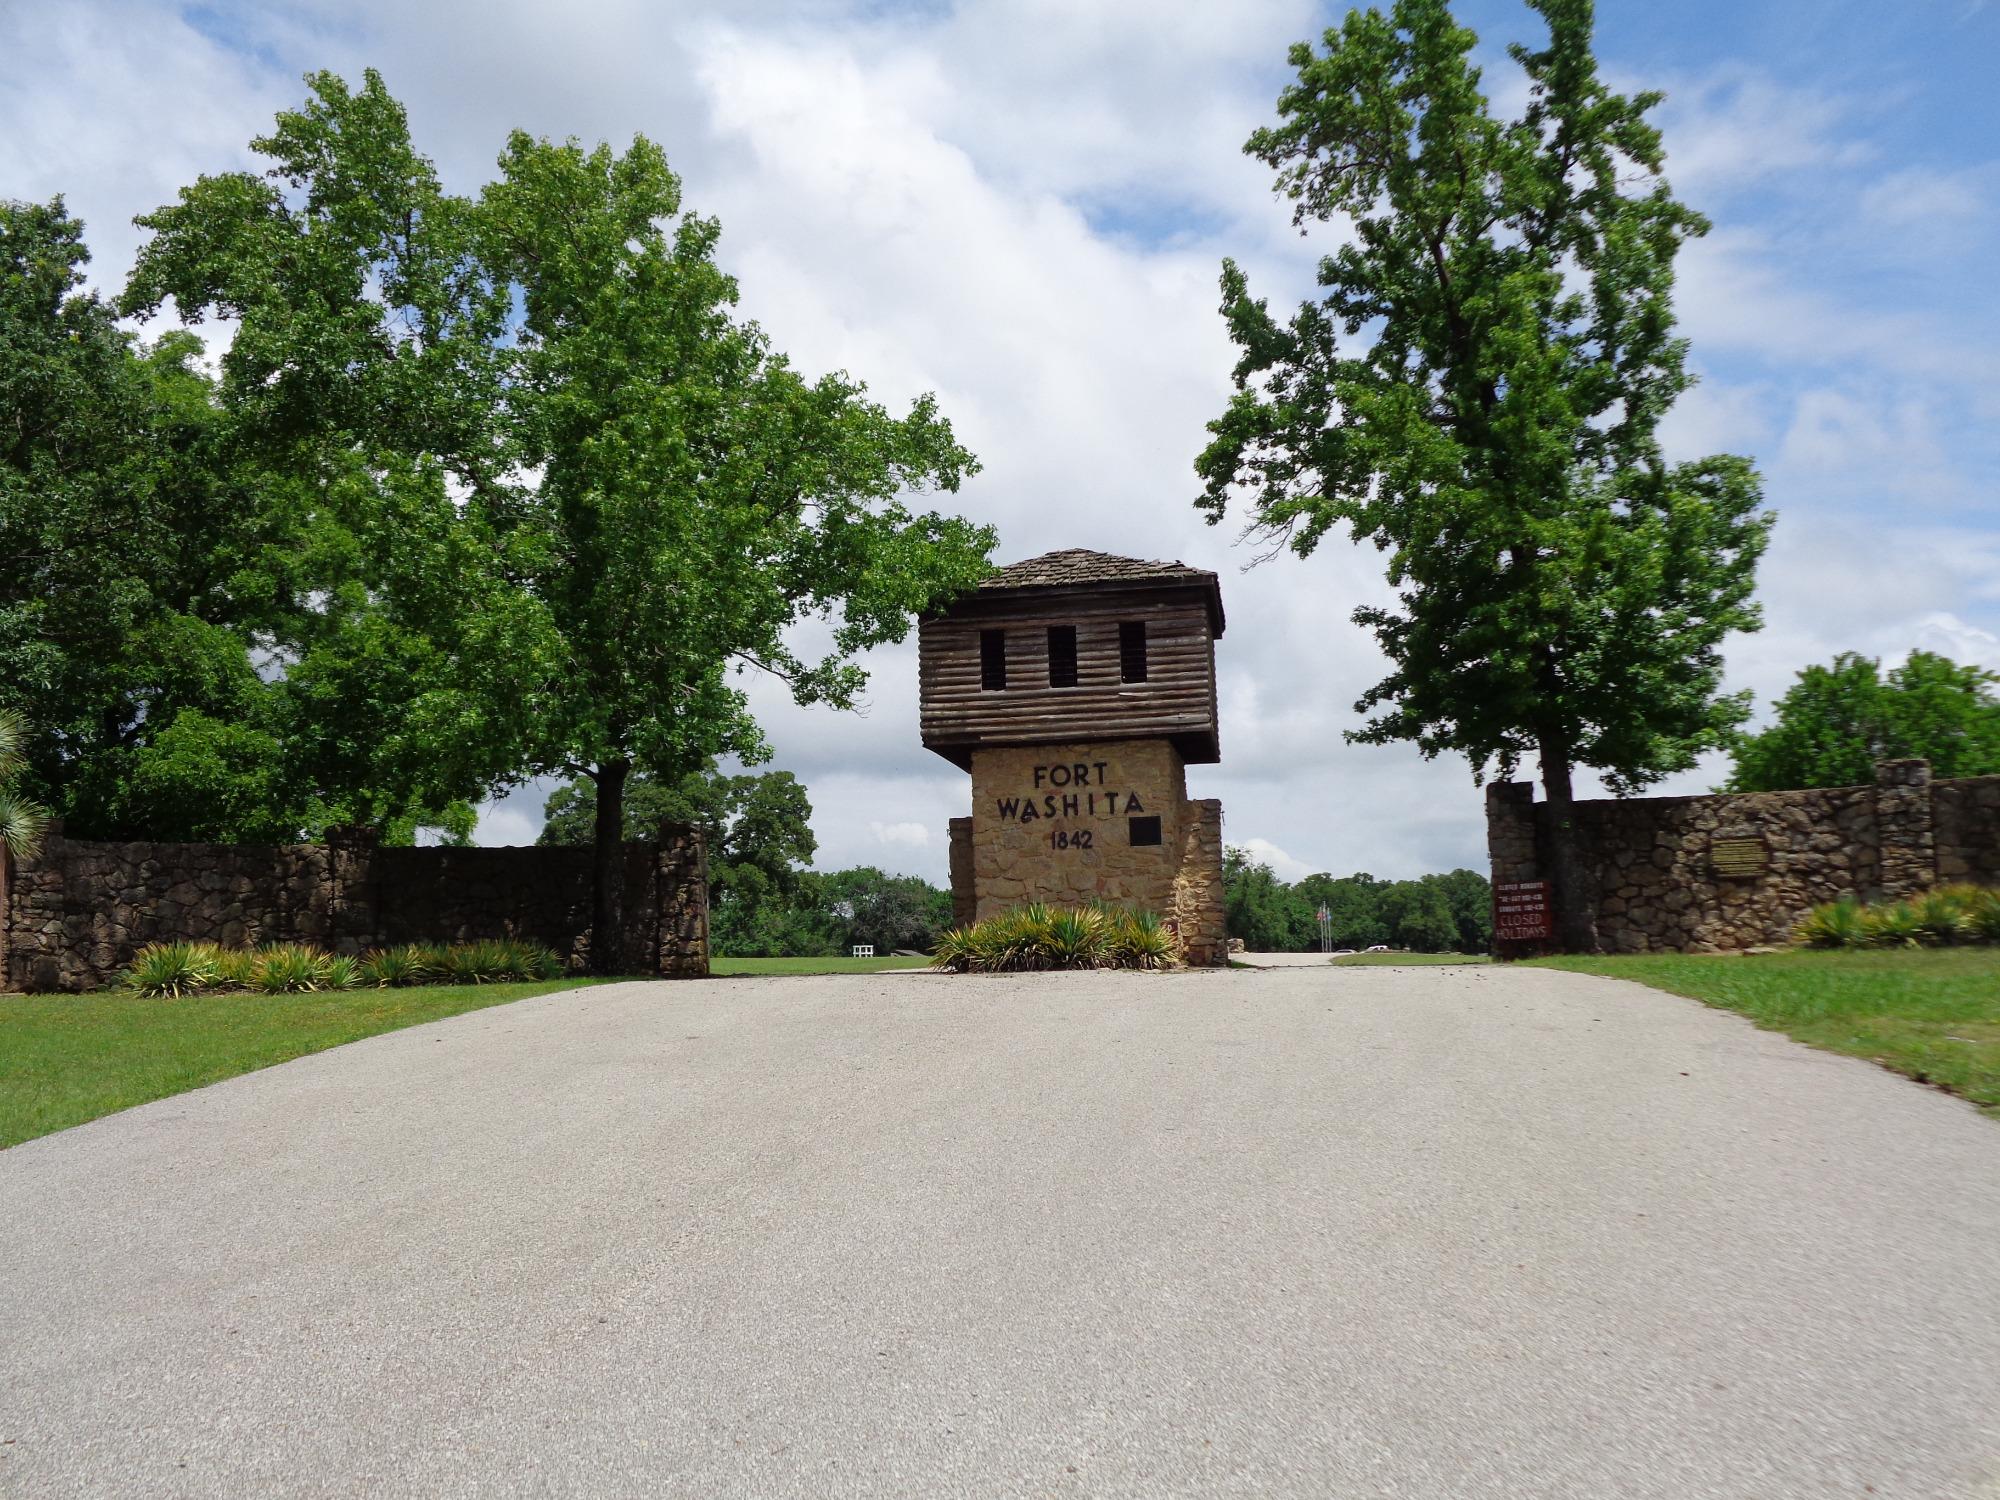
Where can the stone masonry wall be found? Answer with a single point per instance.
(74, 916)
(1732, 871)
(1057, 823)
(1965, 818)
(964, 900)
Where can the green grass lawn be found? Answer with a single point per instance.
(727, 966)
(1933, 1014)
(65, 1059)
(1405, 960)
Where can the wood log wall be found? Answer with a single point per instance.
(1177, 699)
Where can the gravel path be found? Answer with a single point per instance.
(1314, 1232)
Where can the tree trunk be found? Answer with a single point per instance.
(607, 912)
(1568, 884)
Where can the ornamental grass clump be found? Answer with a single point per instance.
(169, 970)
(166, 971)
(1038, 936)
(290, 969)
(1837, 924)
(1935, 919)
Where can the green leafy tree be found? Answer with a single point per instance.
(1477, 391)
(758, 830)
(1469, 896)
(168, 624)
(1352, 902)
(888, 911)
(1418, 917)
(23, 821)
(583, 493)
(1837, 720)
(1268, 915)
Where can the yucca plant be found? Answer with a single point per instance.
(954, 950)
(1037, 936)
(1940, 917)
(343, 972)
(167, 971)
(1836, 924)
(1140, 940)
(1982, 915)
(487, 961)
(235, 969)
(1894, 926)
(23, 823)
(1074, 939)
(290, 969)
(388, 968)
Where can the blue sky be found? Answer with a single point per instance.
(1022, 207)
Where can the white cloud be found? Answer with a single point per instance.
(1264, 852)
(907, 835)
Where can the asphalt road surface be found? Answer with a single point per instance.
(1302, 1232)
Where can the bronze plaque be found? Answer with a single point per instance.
(1738, 858)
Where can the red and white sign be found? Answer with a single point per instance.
(1522, 912)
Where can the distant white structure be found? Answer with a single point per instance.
(864, 950)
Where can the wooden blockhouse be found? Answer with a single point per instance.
(1074, 645)
(1076, 687)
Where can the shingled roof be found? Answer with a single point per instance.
(1079, 567)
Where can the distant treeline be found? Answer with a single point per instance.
(1437, 914)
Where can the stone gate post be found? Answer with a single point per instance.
(682, 885)
(1904, 827)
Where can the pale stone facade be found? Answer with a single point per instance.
(1105, 820)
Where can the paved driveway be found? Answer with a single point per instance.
(1313, 1232)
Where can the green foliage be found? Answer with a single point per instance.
(1835, 924)
(1436, 914)
(174, 969)
(168, 971)
(1982, 914)
(343, 972)
(493, 961)
(291, 969)
(23, 822)
(585, 492)
(759, 836)
(165, 557)
(394, 968)
(1038, 936)
(1477, 391)
(1836, 721)
(1933, 919)
(1138, 940)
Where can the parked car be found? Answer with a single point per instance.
(1343, 953)
(1379, 948)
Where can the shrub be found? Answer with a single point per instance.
(1044, 937)
(1140, 940)
(290, 969)
(1894, 926)
(1940, 916)
(235, 968)
(391, 968)
(172, 969)
(343, 972)
(1982, 915)
(169, 970)
(1837, 924)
